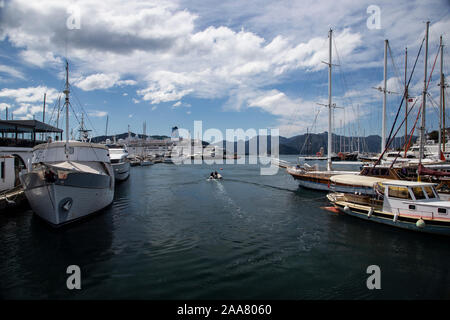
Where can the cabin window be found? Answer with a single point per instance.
(412, 207)
(3, 170)
(399, 192)
(442, 210)
(418, 193)
(430, 193)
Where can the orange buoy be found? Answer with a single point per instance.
(331, 209)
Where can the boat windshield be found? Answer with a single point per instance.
(430, 193)
(418, 193)
(399, 192)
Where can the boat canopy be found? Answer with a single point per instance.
(357, 180)
(405, 183)
(71, 143)
(89, 167)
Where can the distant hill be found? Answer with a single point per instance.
(124, 136)
(297, 145)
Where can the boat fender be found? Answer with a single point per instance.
(369, 214)
(420, 223)
(347, 209)
(395, 217)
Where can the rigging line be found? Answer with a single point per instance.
(404, 145)
(317, 91)
(397, 74)
(307, 137)
(412, 130)
(407, 86)
(74, 113)
(435, 105)
(84, 111)
(53, 109)
(61, 88)
(352, 130)
(428, 83)
(341, 74)
(399, 108)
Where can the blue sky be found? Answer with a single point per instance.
(231, 64)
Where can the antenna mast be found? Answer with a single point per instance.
(66, 103)
(424, 98)
(329, 101)
(383, 129)
(406, 98)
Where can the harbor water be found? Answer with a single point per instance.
(172, 234)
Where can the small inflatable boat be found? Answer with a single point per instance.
(218, 177)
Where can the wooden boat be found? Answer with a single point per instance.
(404, 204)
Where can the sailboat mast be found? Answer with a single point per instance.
(359, 134)
(406, 99)
(106, 130)
(66, 103)
(329, 102)
(424, 97)
(441, 105)
(383, 128)
(57, 114)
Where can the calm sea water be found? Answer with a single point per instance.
(171, 234)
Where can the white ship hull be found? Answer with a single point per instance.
(121, 170)
(68, 181)
(58, 204)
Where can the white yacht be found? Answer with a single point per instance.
(119, 161)
(68, 179)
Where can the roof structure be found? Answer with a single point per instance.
(21, 126)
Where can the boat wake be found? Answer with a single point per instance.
(223, 195)
(262, 185)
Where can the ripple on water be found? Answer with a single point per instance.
(170, 234)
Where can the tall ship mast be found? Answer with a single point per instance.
(69, 179)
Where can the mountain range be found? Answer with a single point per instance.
(296, 144)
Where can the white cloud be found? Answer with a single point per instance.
(126, 83)
(101, 81)
(11, 72)
(26, 111)
(235, 51)
(158, 44)
(97, 113)
(180, 104)
(30, 94)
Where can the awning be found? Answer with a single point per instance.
(357, 180)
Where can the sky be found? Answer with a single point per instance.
(230, 64)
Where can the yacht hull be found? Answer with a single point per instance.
(328, 187)
(121, 170)
(62, 202)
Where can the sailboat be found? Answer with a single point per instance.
(307, 176)
(69, 179)
(412, 205)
